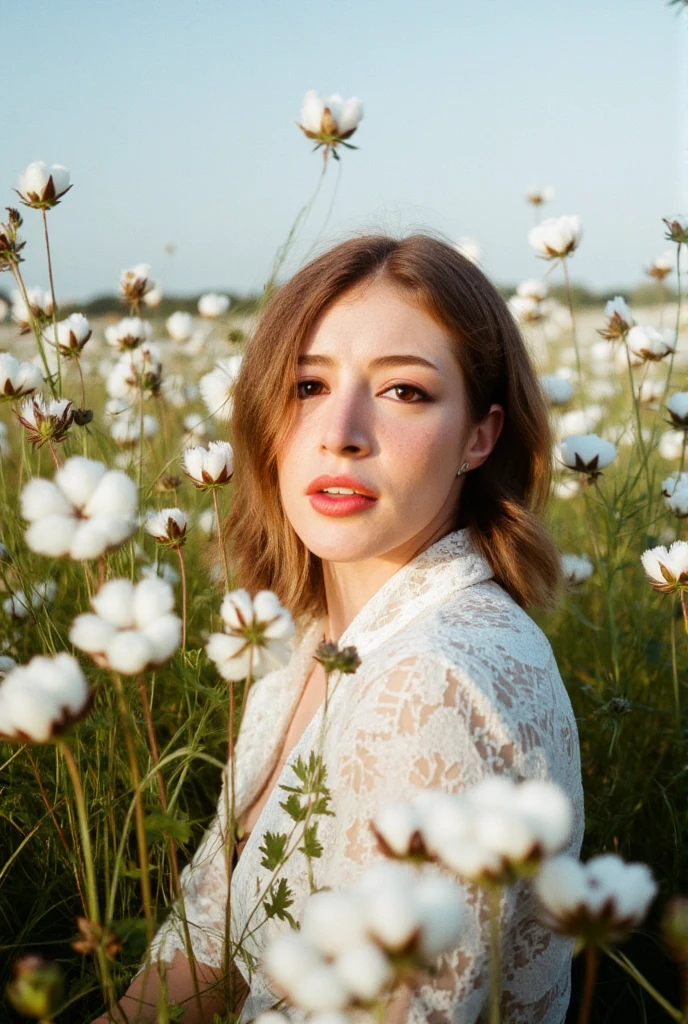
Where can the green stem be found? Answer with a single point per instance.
(138, 807)
(494, 894)
(574, 334)
(87, 850)
(674, 668)
(52, 294)
(592, 958)
(35, 328)
(636, 405)
(622, 961)
(678, 320)
(183, 575)
(220, 539)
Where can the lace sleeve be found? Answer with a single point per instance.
(423, 723)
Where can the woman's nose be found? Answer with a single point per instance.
(346, 425)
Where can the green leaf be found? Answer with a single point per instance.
(311, 846)
(281, 899)
(293, 808)
(160, 823)
(273, 849)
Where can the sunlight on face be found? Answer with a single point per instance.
(396, 427)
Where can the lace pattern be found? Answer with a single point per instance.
(456, 683)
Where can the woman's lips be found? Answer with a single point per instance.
(340, 504)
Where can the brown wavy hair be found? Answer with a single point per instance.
(502, 500)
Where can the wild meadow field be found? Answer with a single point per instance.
(111, 747)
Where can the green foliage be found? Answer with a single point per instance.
(273, 849)
(278, 902)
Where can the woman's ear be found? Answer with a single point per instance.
(485, 436)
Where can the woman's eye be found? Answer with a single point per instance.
(408, 394)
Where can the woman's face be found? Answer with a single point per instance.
(380, 402)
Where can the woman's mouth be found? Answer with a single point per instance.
(340, 501)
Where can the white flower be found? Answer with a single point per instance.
(678, 502)
(398, 829)
(671, 444)
(4, 309)
(138, 370)
(207, 522)
(651, 343)
(41, 699)
(290, 956)
(179, 326)
(197, 430)
(168, 526)
(577, 568)
(331, 116)
(212, 305)
(255, 635)
(333, 921)
(19, 606)
(619, 319)
(525, 309)
(677, 404)
(469, 248)
(134, 284)
(216, 386)
(557, 390)
(134, 626)
(556, 237)
(586, 453)
(18, 379)
(677, 481)
(153, 297)
(537, 196)
(600, 901)
(41, 186)
(209, 467)
(72, 334)
(365, 970)
(126, 430)
(661, 266)
(40, 307)
(162, 571)
(667, 570)
(533, 288)
(85, 511)
(441, 910)
(46, 420)
(130, 332)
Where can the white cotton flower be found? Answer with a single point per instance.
(153, 296)
(133, 628)
(126, 431)
(390, 910)
(209, 467)
(72, 334)
(320, 990)
(290, 956)
(331, 116)
(196, 429)
(179, 326)
(19, 606)
(677, 404)
(40, 306)
(41, 699)
(135, 283)
(525, 309)
(442, 910)
(160, 570)
(212, 305)
(557, 390)
(678, 502)
(579, 421)
(333, 921)
(601, 901)
(677, 481)
(577, 568)
(137, 371)
(255, 636)
(129, 332)
(168, 526)
(397, 827)
(556, 237)
(85, 511)
(216, 386)
(533, 288)
(586, 453)
(470, 248)
(619, 319)
(651, 343)
(671, 444)
(207, 522)
(365, 971)
(566, 489)
(45, 419)
(41, 186)
(537, 196)
(18, 379)
(667, 570)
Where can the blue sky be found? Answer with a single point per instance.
(176, 121)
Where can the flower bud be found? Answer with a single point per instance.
(37, 987)
(168, 526)
(677, 228)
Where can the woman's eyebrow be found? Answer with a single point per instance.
(382, 361)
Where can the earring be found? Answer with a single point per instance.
(463, 469)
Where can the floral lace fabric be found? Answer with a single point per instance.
(456, 683)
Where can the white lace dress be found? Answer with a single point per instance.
(456, 683)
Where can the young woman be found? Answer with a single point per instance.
(392, 369)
